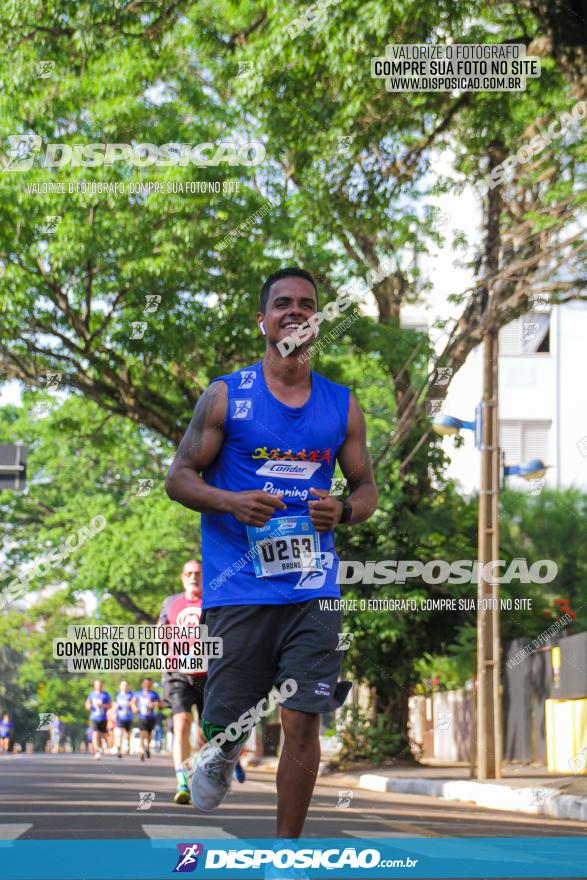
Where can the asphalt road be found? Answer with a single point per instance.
(73, 796)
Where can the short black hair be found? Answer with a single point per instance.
(287, 272)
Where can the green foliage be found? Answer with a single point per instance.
(167, 73)
(366, 739)
(83, 463)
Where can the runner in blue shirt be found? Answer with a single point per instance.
(6, 727)
(144, 703)
(124, 715)
(257, 461)
(98, 703)
(56, 733)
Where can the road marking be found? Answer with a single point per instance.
(12, 831)
(185, 832)
(380, 834)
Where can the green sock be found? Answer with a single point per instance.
(211, 730)
(182, 778)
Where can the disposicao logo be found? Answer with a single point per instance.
(187, 859)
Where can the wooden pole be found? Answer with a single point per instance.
(488, 671)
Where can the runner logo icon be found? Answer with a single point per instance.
(241, 409)
(247, 378)
(187, 860)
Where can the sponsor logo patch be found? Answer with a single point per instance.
(241, 409)
(289, 470)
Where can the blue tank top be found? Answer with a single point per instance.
(123, 707)
(275, 448)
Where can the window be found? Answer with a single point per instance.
(522, 440)
(529, 334)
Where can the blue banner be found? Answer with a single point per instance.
(482, 857)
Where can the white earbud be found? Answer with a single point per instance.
(262, 328)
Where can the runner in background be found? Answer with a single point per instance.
(158, 732)
(183, 691)
(122, 702)
(98, 702)
(6, 728)
(144, 703)
(110, 727)
(56, 734)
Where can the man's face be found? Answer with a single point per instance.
(97, 685)
(123, 686)
(191, 578)
(290, 303)
(147, 684)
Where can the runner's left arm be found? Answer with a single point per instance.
(355, 463)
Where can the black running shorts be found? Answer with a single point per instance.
(146, 724)
(124, 725)
(263, 645)
(184, 691)
(99, 726)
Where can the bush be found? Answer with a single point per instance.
(364, 739)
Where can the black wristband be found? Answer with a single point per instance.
(347, 512)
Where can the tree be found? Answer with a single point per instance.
(84, 463)
(136, 301)
(83, 286)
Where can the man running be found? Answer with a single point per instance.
(56, 734)
(144, 703)
(6, 727)
(183, 691)
(98, 702)
(257, 461)
(122, 702)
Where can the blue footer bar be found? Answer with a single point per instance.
(481, 857)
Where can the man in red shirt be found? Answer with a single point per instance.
(182, 690)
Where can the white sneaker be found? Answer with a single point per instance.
(274, 873)
(98, 755)
(212, 777)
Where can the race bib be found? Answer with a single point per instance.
(284, 545)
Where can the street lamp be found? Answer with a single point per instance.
(534, 469)
(447, 425)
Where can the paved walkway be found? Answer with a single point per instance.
(521, 789)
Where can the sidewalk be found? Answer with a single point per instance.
(522, 789)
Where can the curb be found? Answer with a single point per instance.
(483, 794)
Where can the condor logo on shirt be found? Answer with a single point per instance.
(289, 470)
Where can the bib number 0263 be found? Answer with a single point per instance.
(285, 544)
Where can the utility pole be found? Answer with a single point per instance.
(489, 730)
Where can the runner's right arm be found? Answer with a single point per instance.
(197, 450)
